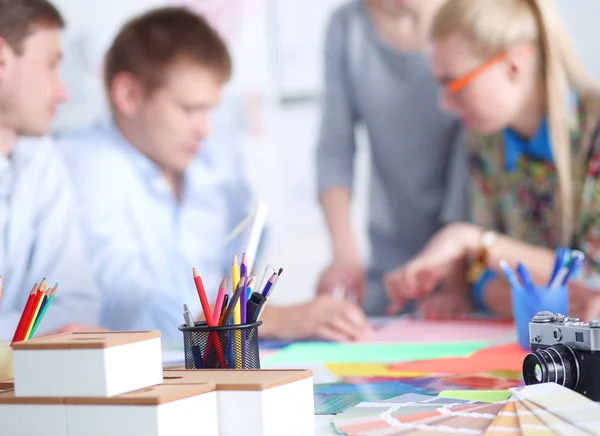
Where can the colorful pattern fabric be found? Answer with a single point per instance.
(522, 203)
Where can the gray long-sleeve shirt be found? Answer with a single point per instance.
(418, 161)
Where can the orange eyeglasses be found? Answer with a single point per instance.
(457, 85)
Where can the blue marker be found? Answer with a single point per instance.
(510, 275)
(528, 283)
(560, 260)
(576, 260)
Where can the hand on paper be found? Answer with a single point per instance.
(445, 305)
(325, 317)
(433, 264)
(75, 328)
(347, 273)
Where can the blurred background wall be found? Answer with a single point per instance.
(272, 101)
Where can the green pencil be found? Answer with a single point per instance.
(50, 296)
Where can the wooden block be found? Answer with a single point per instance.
(267, 402)
(7, 384)
(163, 410)
(87, 364)
(22, 416)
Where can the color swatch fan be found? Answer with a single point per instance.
(544, 409)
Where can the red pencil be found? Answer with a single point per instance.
(216, 313)
(209, 318)
(24, 313)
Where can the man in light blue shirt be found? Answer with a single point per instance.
(156, 199)
(39, 233)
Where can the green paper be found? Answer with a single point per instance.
(329, 352)
(476, 395)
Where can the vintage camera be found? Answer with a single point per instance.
(564, 351)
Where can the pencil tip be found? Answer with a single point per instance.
(195, 272)
(280, 271)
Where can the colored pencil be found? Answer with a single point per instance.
(237, 316)
(265, 291)
(47, 300)
(209, 317)
(39, 298)
(24, 314)
(0, 287)
(216, 314)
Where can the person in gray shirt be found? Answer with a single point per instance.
(376, 75)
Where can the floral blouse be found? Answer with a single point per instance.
(521, 203)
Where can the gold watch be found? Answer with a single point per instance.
(479, 265)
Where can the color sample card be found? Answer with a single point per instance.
(506, 423)
(332, 404)
(564, 403)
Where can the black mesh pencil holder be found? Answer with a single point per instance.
(224, 347)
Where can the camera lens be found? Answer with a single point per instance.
(557, 364)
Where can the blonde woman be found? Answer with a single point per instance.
(507, 69)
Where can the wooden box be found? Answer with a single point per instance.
(87, 364)
(7, 384)
(20, 416)
(257, 402)
(163, 410)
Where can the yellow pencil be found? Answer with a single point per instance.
(41, 289)
(237, 317)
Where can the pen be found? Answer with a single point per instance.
(255, 303)
(572, 261)
(576, 260)
(187, 316)
(233, 301)
(560, 259)
(223, 308)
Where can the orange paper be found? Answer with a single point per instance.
(504, 357)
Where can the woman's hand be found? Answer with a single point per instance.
(422, 274)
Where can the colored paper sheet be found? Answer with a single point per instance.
(306, 353)
(504, 374)
(395, 387)
(506, 423)
(477, 395)
(368, 370)
(418, 330)
(480, 382)
(502, 357)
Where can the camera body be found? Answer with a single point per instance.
(564, 351)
